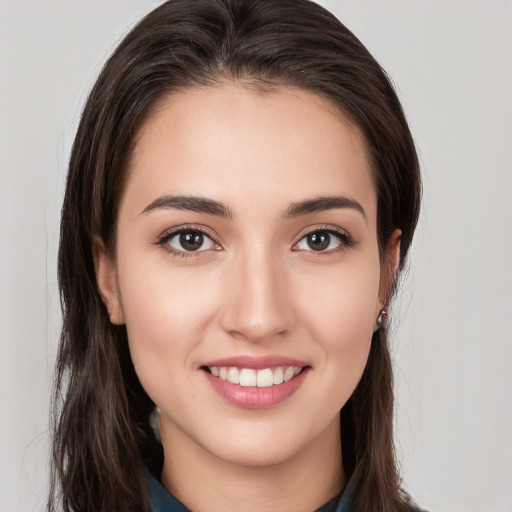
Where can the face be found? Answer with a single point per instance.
(247, 269)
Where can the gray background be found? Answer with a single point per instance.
(452, 64)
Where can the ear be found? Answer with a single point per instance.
(389, 268)
(107, 282)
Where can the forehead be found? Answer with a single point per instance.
(228, 141)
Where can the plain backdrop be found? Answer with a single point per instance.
(452, 65)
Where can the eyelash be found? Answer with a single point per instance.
(346, 241)
(163, 240)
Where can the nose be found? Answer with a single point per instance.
(258, 306)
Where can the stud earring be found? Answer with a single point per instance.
(381, 320)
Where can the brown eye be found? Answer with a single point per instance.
(319, 241)
(190, 241)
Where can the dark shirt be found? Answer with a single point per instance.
(162, 501)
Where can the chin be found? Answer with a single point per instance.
(254, 457)
(257, 450)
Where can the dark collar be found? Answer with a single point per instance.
(162, 501)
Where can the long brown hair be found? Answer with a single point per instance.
(103, 441)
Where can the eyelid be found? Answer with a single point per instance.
(163, 239)
(346, 239)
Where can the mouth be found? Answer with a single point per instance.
(256, 383)
(249, 377)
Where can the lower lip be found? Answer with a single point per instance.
(253, 397)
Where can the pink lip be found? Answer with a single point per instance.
(253, 397)
(256, 363)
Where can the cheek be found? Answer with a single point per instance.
(339, 309)
(342, 301)
(165, 310)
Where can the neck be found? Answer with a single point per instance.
(204, 482)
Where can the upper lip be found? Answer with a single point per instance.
(256, 363)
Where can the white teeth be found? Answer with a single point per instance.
(264, 378)
(233, 375)
(278, 376)
(288, 374)
(260, 378)
(247, 377)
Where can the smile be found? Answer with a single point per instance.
(256, 382)
(248, 377)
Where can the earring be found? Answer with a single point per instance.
(381, 320)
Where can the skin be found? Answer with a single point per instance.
(257, 289)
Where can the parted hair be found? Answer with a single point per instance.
(103, 443)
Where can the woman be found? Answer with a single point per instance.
(242, 194)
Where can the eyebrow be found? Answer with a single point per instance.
(321, 204)
(189, 203)
(205, 205)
